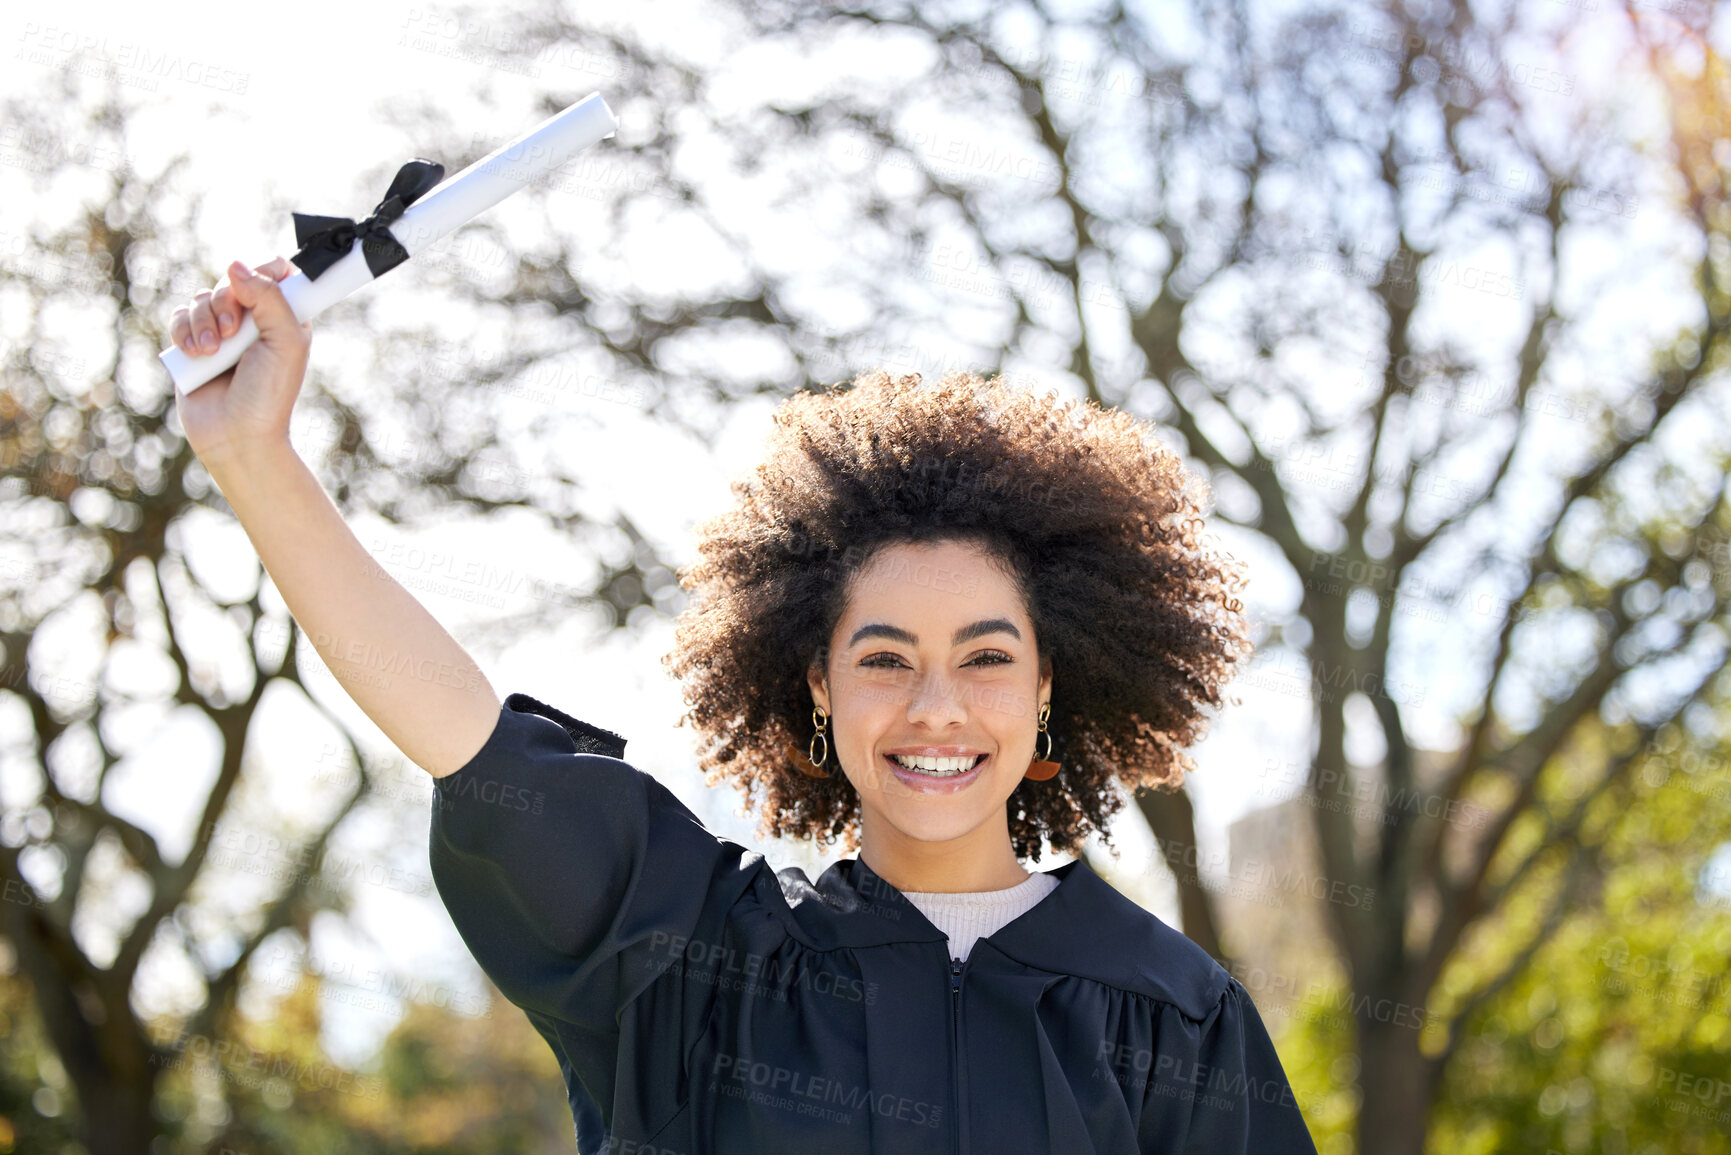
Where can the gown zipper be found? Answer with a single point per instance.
(956, 1049)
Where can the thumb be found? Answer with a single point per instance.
(263, 296)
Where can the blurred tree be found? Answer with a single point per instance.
(33, 1106)
(1617, 1036)
(442, 1082)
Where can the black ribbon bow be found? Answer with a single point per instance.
(324, 241)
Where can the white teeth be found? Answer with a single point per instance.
(936, 767)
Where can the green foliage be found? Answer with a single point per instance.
(1318, 1050)
(31, 1079)
(1617, 1038)
(442, 1083)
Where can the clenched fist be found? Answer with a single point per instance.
(247, 407)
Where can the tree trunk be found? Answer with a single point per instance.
(1172, 818)
(117, 1117)
(1395, 1078)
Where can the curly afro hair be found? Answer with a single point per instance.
(1098, 521)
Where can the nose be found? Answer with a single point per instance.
(935, 702)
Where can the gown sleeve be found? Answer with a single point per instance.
(1241, 1102)
(573, 877)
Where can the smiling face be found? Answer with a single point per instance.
(934, 660)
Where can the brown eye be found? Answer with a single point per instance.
(998, 658)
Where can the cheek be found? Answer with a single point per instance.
(856, 729)
(866, 700)
(1005, 707)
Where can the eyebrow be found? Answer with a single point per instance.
(965, 634)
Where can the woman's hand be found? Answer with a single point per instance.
(245, 408)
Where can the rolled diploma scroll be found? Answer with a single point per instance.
(455, 201)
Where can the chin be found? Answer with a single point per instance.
(932, 827)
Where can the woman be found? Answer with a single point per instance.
(992, 608)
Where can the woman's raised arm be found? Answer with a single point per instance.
(395, 660)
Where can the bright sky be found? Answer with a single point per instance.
(288, 100)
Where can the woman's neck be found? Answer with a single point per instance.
(980, 860)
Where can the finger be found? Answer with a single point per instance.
(203, 322)
(223, 308)
(228, 311)
(270, 309)
(276, 268)
(180, 329)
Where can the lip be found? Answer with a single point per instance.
(920, 784)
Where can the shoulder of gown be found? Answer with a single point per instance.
(568, 872)
(1088, 929)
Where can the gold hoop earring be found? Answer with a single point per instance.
(1040, 769)
(810, 764)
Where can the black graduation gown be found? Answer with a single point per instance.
(701, 1003)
